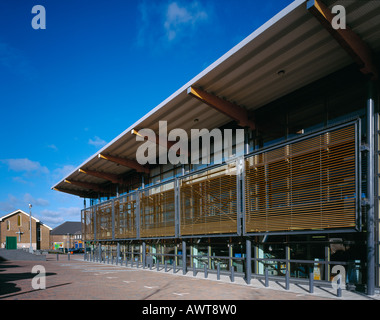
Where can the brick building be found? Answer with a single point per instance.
(15, 231)
(67, 235)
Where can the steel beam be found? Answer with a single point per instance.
(102, 175)
(228, 108)
(351, 42)
(132, 164)
(86, 185)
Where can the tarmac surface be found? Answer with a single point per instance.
(76, 279)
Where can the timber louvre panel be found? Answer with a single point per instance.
(104, 220)
(157, 210)
(126, 216)
(88, 224)
(208, 202)
(305, 185)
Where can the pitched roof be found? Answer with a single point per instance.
(68, 227)
(27, 214)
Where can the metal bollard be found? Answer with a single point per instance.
(158, 265)
(311, 282)
(174, 266)
(112, 260)
(166, 266)
(68, 256)
(232, 274)
(57, 257)
(266, 278)
(287, 280)
(194, 270)
(339, 290)
(218, 271)
(205, 270)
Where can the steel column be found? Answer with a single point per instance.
(144, 254)
(184, 271)
(370, 191)
(248, 264)
(117, 253)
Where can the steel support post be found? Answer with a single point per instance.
(113, 218)
(184, 271)
(117, 253)
(370, 190)
(311, 282)
(144, 254)
(232, 274)
(287, 280)
(339, 289)
(248, 255)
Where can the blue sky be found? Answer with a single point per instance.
(97, 68)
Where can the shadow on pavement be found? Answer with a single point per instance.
(7, 279)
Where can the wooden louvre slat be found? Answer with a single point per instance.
(208, 202)
(157, 212)
(126, 216)
(306, 185)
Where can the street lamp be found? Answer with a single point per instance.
(30, 228)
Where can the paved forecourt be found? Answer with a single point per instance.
(76, 279)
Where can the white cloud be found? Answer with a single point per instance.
(16, 62)
(14, 203)
(25, 165)
(97, 142)
(56, 217)
(20, 180)
(53, 146)
(181, 17)
(60, 173)
(162, 23)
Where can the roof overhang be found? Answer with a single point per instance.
(288, 52)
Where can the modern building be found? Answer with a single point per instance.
(66, 236)
(15, 232)
(301, 196)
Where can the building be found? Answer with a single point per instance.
(302, 195)
(66, 236)
(15, 232)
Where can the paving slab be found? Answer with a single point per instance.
(83, 280)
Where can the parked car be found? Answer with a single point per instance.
(75, 250)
